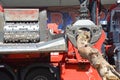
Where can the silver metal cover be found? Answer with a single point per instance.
(21, 32)
(55, 45)
(72, 31)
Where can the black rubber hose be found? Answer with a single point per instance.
(93, 11)
(81, 1)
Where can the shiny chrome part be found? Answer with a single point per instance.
(50, 46)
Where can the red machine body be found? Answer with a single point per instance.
(63, 65)
(72, 66)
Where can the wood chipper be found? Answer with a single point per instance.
(28, 50)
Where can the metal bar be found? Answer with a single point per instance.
(50, 46)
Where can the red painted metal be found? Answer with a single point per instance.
(99, 43)
(74, 72)
(21, 14)
(72, 65)
(54, 28)
(1, 8)
(77, 68)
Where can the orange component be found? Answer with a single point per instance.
(1, 8)
(53, 27)
(74, 72)
(76, 67)
(56, 58)
(99, 43)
